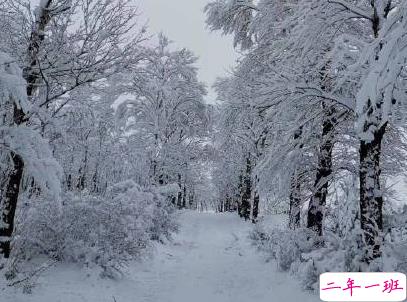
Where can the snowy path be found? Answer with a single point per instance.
(210, 260)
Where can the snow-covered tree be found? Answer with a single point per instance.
(318, 67)
(58, 56)
(22, 149)
(165, 116)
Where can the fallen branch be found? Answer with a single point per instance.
(34, 273)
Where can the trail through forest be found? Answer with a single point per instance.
(210, 259)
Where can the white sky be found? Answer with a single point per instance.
(183, 21)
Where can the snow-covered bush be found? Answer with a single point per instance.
(306, 255)
(284, 246)
(94, 230)
(158, 210)
(303, 254)
(395, 241)
(341, 250)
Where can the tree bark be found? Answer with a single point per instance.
(256, 201)
(295, 203)
(184, 197)
(371, 198)
(179, 196)
(294, 219)
(191, 199)
(324, 170)
(11, 193)
(240, 196)
(9, 204)
(247, 191)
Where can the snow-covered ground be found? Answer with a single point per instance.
(210, 260)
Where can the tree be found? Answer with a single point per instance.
(273, 28)
(22, 148)
(165, 116)
(379, 92)
(331, 63)
(378, 70)
(58, 57)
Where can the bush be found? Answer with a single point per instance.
(301, 253)
(395, 241)
(93, 230)
(284, 246)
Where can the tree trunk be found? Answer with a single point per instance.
(184, 197)
(9, 204)
(247, 191)
(191, 199)
(254, 205)
(95, 188)
(229, 203)
(179, 196)
(11, 193)
(69, 181)
(32, 77)
(294, 219)
(295, 203)
(256, 201)
(371, 198)
(324, 170)
(240, 196)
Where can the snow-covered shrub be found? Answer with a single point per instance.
(303, 254)
(336, 254)
(38, 229)
(284, 246)
(395, 241)
(94, 230)
(157, 209)
(340, 250)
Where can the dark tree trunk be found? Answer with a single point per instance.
(191, 200)
(371, 198)
(247, 191)
(256, 201)
(179, 196)
(95, 181)
(228, 204)
(11, 193)
(9, 204)
(295, 204)
(69, 181)
(80, 185)
(240, 197)
(153, 171)
(225, 203)
(294, 220)
(82, 180)
(324, 170)
(184, 197)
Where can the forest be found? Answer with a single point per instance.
(121, 179)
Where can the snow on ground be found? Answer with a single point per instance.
(210, 260)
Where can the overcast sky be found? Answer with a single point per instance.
(183, 21)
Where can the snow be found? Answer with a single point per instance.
(211, 259)
(12, 84)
